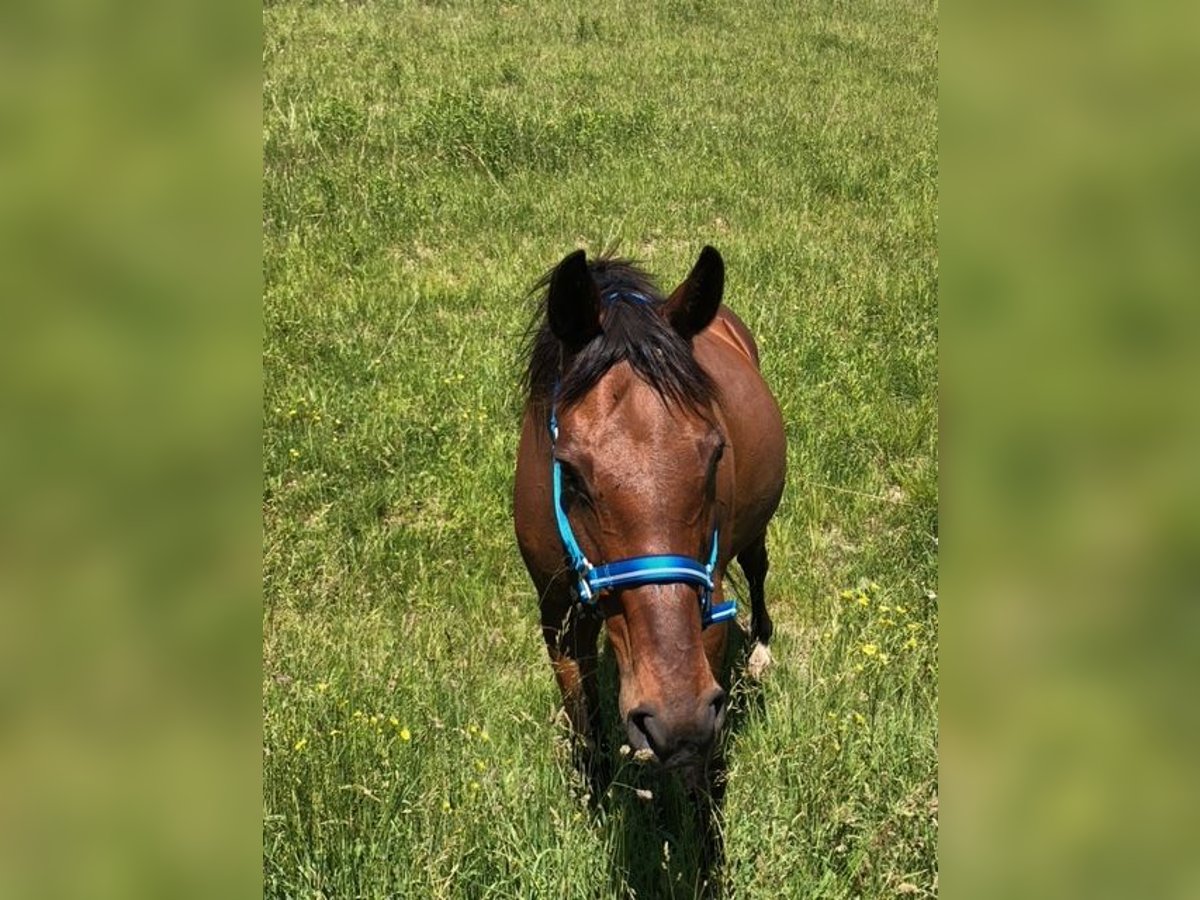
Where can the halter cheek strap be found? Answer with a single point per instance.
(636, 571)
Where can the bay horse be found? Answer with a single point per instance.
(652, 454)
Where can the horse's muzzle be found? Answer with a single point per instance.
(677, 740)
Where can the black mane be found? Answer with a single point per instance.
(631, 330)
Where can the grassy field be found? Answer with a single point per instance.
(424, 163)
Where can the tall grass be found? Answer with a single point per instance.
(424, 162)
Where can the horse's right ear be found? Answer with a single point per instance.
(691, 307)
(573, 302)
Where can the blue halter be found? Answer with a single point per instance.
(611, 297)
(637, 570)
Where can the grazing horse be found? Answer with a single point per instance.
(652, 454)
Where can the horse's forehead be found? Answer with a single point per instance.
(627, 426)
(623, 409)
(618, 391)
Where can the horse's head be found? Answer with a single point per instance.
(638, 448)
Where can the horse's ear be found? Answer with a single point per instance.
(573, 303)
(694, 303)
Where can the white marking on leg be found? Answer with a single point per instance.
(760, 660)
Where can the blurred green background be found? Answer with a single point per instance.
(1069, 364)
(130, 531)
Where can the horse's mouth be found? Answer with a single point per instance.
(643, 755)
(682, 759)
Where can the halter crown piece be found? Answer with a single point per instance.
(636, 571)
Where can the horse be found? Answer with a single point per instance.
(651, 455)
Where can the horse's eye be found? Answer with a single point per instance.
(716, 459)
(573, 487)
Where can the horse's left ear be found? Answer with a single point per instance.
(692, 305)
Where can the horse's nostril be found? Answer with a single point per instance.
(716, 707)
(718, 703)
(642, 730)
(639, 720)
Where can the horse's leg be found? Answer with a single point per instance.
(571, 643)
(754, 563)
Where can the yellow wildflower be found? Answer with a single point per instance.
(405, 734)
(445, 806)
(322, 687)
(394, 721)
(300, 744)
(870, 649)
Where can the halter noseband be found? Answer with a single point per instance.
(635, 571)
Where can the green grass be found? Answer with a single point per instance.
(424, 163)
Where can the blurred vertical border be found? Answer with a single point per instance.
(130, 460)
(1070, 309)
